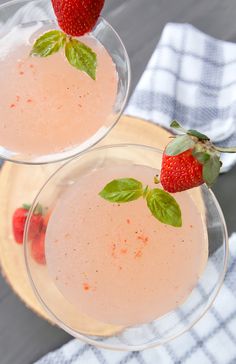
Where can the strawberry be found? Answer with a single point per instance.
(37, 247)
(19, 220)
(37, 228)
(36, 225)
(189, 160)
(18, 224)
(77, 17)
(180, 172)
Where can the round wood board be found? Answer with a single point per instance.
(20, 183)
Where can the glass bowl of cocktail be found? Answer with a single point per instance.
(49, 109)
(110, 273)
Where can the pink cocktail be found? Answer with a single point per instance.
(117, 267)
(50, 110)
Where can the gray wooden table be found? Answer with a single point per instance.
(24, 337)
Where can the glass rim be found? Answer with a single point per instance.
(124, 347)
(60, 156)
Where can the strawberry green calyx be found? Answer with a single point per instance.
(176, 125)
(38, 210)
(180, 144)
(77, 53)
(202, 149)
(26, 206)
(226, 150)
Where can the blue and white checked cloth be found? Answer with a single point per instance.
(191, 77)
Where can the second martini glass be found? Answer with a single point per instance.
(51, 111)
(112, 275)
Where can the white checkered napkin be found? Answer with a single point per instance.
(191, 77)
(211, 341)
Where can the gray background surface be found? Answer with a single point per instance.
(24, 337)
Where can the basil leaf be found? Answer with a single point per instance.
(49, 43)
(197, 134)
(211, 170)
(122, 190)
(164, 207)
(81, 57)
(179, 145)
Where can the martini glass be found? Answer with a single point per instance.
(25, 14)
(165, 326)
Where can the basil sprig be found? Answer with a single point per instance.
(78, 54)
(162, 205)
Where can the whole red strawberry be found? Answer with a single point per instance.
(18, 224)
(77, 17)
(37, 247)
(190, 160)
(180, 172)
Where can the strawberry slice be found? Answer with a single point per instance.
(77, 17)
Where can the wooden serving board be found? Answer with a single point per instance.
(20, 184)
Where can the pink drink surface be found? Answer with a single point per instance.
(116, 262)
(46, 104)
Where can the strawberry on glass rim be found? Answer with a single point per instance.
(190, 160)
(75, 18)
